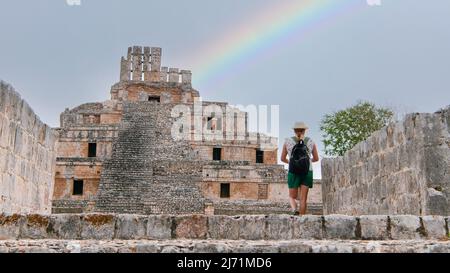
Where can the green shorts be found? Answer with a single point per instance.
(294, 180)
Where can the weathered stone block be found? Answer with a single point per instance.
(294, 247)
(435, 227)
(405, 227)
(209, 247)
(251, 248)
(374, 227)
(191, 227)
(437, 202)
(65, 226)
(279, 227)
(4, 136)
(308, 227)
(10, 226)
(340, 227)
(131, 227)
(98, 226)
(35, 227)
(148, 248)
(159, 227)
(3, 94)
(224, 227)
(332, 247)
(253, 227)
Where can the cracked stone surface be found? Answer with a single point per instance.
(224, 246)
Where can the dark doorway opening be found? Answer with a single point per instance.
(259, 156)
(78, 187)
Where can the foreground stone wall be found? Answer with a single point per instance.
(201, 227)
(27, 156)
(402, 169)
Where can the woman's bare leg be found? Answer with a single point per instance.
(293, 194)
(303, 199)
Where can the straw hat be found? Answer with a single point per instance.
(300, 125)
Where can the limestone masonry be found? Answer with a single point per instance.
(119, 156)
(125, 175)
(224, 246)
(402, 169)
(115, 233)
(27, 156)
(221, 227)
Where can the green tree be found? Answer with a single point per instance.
(344, 129)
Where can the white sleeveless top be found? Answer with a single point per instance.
(290, 143)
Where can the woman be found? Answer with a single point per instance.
(299, 184)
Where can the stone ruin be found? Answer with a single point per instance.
(116, 233)
(137, 167)
(112, 179)
(27, 156)
(401, 169)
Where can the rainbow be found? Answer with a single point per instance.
(273, 28)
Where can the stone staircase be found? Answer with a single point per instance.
(149, 172)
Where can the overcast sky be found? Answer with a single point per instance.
(396, 54)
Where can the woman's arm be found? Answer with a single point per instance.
(315, 154)
(284, 155)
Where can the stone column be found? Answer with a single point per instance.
(137, 63)
(155, 64)
(174, 76)
(146, 64)
(186, 78)
(163, 74)
(124, 70)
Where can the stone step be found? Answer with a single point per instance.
(219, 227)
(224, 246)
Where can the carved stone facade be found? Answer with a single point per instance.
(121, 156)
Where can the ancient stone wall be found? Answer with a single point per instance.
(27, 156)
(402, 169)
(220, 227)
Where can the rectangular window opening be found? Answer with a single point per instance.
(217, 154)
(225, 190)
(92, 150)
(154, 98)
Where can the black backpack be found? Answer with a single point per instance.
(299, 162)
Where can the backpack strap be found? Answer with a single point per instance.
(307, 139)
